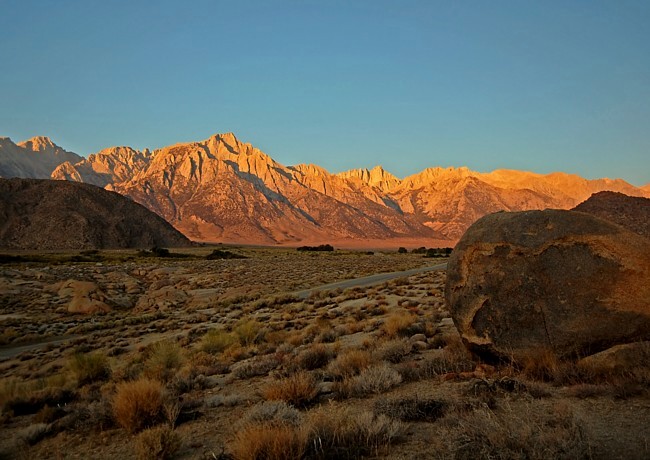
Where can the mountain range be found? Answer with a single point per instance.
(225, 190)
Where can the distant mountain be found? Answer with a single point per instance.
(630, 212)
(34, 158)
(115, 164)
(222, 189)
(46, 214)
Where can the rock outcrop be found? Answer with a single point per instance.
(565, 281)
(630, 212)
(83, 297)
(44, 214)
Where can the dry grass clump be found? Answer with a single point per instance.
(22, 398)
(315, 357)
(332, 432)
(160, 443)
(254, 367)
(343, 432)
(299, 389)
(372, 380)
(398, 323)
(510, 433)
(542, 364)
(269, 442)
(217, 341)
(163, 361)
(411, 409)
(248, 332)
(89, 367)
(349, 363)
(435, 366)
(393, 351)
(34, 433)
(277, 412)
(139, 404)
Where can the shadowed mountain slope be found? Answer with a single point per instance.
(45, 214)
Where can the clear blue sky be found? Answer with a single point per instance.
(533, 85)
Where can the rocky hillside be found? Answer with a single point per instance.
(222, 189)
(34, 158)
(45, 214)
(630, 212)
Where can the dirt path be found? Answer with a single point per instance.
(12, 351)
(368, 280)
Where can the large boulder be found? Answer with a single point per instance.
(521, 282)
(85, 297)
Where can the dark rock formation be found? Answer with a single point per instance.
(631, 212)
(44, 214)
(559, 280)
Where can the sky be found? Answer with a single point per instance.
(540, 86)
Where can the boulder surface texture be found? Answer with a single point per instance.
(523, 282)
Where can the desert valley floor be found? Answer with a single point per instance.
(122, 354)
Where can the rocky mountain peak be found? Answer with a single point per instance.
(375, 177)
(39, 144)
(311, 170)
(436, 175)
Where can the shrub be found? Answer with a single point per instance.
(261, 365)
(411, 409)
(543, 364)
(219, 254)
(160, 252)
(398, 323)
(161, 443)
(217, 340)
(163, 361)
(299, 389)
(393, 351)
(277, 412)
(343, 432)
(315, 357)
(139, 404)
(269, 442)
(23, 398)
(349, 363)
(374, 379)
(402, 250)
(89, 367)
(509, 433)
(328, 433)
(248, 332)
(320, 248)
